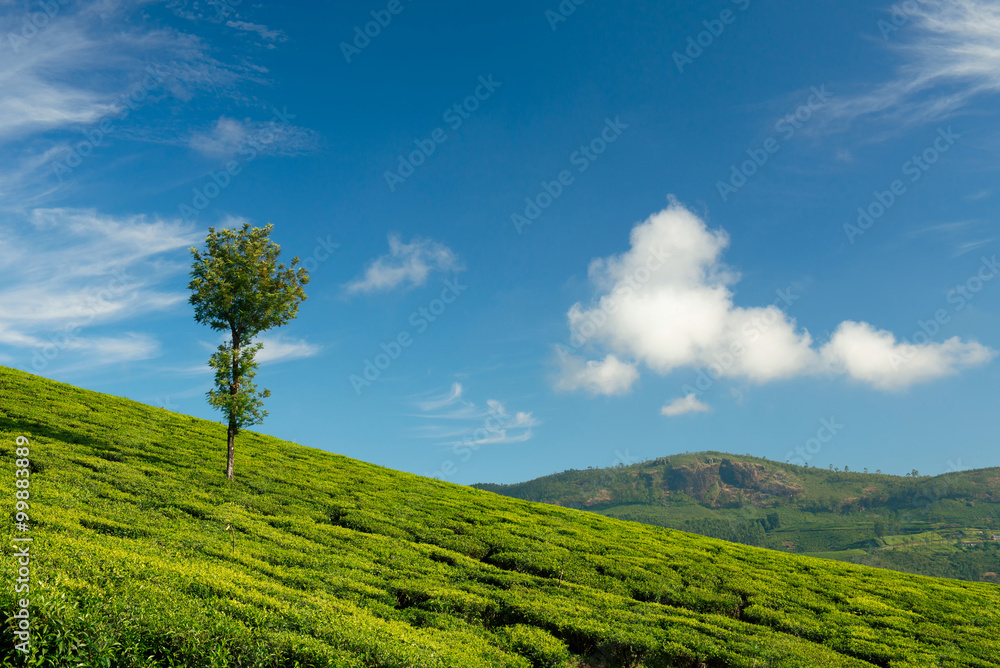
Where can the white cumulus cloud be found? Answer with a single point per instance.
(607, 376)
(875, 356)
(682, 405)
(667, 303)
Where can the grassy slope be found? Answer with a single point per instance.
(341, 563)
(822, 512)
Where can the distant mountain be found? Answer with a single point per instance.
(946, 525)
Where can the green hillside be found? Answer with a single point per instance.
(333, 562)
(941, 526)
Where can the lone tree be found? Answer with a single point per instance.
(238, 286)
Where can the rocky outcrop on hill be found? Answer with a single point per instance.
(720, 482)
(695, 481)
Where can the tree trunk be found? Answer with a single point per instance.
(231, 455)
(234, 388)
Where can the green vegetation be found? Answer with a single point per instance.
(940, 526)
(333, 562)
(238, 286)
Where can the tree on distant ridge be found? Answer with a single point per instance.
(239, 287)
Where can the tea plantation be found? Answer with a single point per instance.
(144, 555)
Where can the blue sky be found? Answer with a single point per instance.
(541, 236)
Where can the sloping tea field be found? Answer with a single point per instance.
(145, 555)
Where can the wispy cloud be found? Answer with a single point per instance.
(969, 246)
(227, 136)
(74, 71)
(944, 228)
(279, 348)
(435, 402)
(36, 93)
(953, 232)
(89, 64)
(222, 140)
(950, 57)
(27, 172)
(407, 265)
(231, 12)
(72, 270)
(464, 424)
(262, 30)
(94, 352)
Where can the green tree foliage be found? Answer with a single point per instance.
(238, 286)
(748, 532)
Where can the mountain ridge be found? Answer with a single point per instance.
(867, 517)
